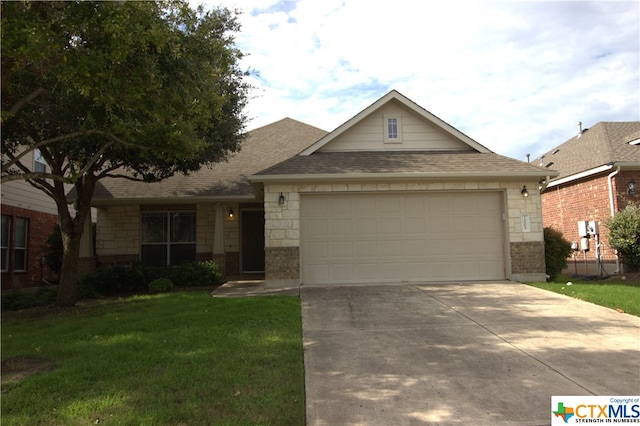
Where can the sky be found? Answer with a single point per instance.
(515, 76)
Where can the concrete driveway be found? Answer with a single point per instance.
(472, 353)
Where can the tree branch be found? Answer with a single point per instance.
(22, 102)
(73, 135)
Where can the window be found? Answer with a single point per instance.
(6, 225)
(20, 245)
(393, 129)
(39, 164)
(168, 238)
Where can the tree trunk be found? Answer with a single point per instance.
(71, 229)
(68, 288)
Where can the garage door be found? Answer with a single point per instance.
(364, 238)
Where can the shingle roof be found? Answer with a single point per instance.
(604, 143)
(262, 148)
(438, 164)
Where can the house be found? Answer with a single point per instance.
(212, 214)
(599, 174)
(28, 218)
(395, 194)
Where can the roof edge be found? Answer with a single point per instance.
(628, 165)
(99, 202)
(398, 176)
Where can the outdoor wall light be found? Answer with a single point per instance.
(524, 192)
(631, 189)
(230, 213)
(281, 199)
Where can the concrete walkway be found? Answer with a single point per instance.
(476, 353)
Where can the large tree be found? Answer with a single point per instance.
(132, 90)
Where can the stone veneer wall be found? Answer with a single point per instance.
(527, 257)
(282, 227)
(282, 263)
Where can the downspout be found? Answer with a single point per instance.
(613, 209)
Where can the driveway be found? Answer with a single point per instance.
(472, 353)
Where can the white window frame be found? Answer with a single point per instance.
(39, 163)
(389, 136)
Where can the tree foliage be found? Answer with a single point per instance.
(624, 236)
(133, 90)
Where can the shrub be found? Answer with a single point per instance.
(160, 285)
(114, 280)
(556, 252)
(53, 250)
(28, 298)
(624, 236)
(192, 274)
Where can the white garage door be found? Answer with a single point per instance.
(365, 238)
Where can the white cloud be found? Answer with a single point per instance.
(515, 76)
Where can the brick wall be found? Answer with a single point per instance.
(39, 228)
(587, 199)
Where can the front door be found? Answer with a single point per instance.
(252, 241)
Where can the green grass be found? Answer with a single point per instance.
(620, 295)
(171, 359)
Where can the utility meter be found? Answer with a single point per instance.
(584, 244)
(582, 228)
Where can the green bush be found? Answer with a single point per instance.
(160, 285)
(624, 236)
(108, 281)
(192, 274)
(556, 252)
(53, 250)
(29, 298)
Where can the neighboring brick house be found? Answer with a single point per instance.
(599, 174)
(393, 195)
(28, 217)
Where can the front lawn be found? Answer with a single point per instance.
(623, 296)
(172, 359)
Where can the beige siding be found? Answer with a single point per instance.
(21, 194)
(417, 134)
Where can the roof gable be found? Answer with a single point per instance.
(604, 144)
(418, 130)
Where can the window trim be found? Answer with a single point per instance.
(168, 242)
(398, 129)
(39, 160)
